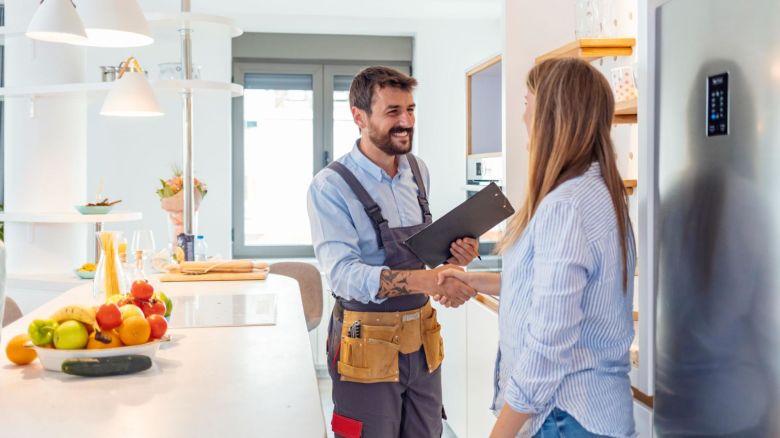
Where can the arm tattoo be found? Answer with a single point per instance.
(393, 284)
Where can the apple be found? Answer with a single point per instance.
(115, 299)
(129, 310)
(109, 316)
(159, 326)
(168, 303)
(158, 308)
(142, 290)
(70, 335)
(145, 306)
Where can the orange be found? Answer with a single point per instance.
(94, 344)
(17, 352)
(134, 330)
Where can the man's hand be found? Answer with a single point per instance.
(449, 290)
(463, 251)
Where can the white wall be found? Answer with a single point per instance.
(444, 51)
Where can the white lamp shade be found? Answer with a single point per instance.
(131, 96)
(56, 21)
(114, 23)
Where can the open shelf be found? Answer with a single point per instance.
(69, 218)
(102, 87)
(188, 20)
(592, 48)
(625, 112)
(630, 185)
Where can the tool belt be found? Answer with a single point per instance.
(370, 353)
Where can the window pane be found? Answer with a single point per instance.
(345, 132)
(278, 164)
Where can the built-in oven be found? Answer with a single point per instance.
(482, 170)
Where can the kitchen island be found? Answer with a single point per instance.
(241, 381)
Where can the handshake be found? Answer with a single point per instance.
(449, 286)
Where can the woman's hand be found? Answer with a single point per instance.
(509, 423)
(451, 273)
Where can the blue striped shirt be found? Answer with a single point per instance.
(565, 322)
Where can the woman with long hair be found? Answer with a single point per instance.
(565, 314)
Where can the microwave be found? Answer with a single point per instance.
(484, 168)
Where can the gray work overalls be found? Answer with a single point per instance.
(412, 407)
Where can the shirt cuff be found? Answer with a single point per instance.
(519, 402)
(372, 283)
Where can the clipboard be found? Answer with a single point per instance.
(473, 218)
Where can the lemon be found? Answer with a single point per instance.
(178, 254)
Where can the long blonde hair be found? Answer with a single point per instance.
(570, 130)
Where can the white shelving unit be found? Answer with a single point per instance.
(33, 218)
(176, 21)
(196, 86)
(69, 218)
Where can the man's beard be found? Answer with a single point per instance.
(385, 142)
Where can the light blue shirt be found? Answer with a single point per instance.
(565, 320)
(345, 241)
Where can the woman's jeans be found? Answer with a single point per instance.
(559, 424)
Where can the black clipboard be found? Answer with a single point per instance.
(473, 218)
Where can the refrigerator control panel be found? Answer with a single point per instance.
(718, 105)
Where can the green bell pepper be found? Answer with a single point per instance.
(41, 331)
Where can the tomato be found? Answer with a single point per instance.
(109, 316)
(142, 290)
(159, 326)
(158, 308)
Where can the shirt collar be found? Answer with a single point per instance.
(594, 169)
(369, 167)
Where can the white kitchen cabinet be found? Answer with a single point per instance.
(481, 345)
(453, 370)
(643, 419)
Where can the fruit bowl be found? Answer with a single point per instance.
(52, 359)
(84, 275)
(94, 209)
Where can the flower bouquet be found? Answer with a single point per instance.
(172, 199)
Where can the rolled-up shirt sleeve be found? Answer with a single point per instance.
(560, 270)
(336, 245)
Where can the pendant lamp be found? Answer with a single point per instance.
(56, 21)
(131, 94)
(114, 23)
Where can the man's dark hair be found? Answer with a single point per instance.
(361, 92)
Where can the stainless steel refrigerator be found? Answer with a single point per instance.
(717, 191)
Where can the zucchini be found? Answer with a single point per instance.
(106, 366)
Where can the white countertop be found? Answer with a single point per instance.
(247, 381)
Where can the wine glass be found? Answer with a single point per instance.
(143, 247)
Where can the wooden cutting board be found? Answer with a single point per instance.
(217, 276)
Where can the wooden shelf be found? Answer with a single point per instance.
(592, 48)
(630, 185)
(488, 301)
(625, 112)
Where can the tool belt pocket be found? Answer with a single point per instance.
(371, 358)
(433, 344)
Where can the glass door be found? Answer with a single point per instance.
(292, 121)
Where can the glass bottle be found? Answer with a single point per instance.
(110, 277)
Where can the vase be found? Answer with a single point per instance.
(110, 278)
(174, 207)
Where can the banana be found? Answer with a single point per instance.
(79, 313)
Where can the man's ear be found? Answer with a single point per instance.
(360, 117)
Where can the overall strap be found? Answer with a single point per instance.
(373, 210)
(422, 196)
